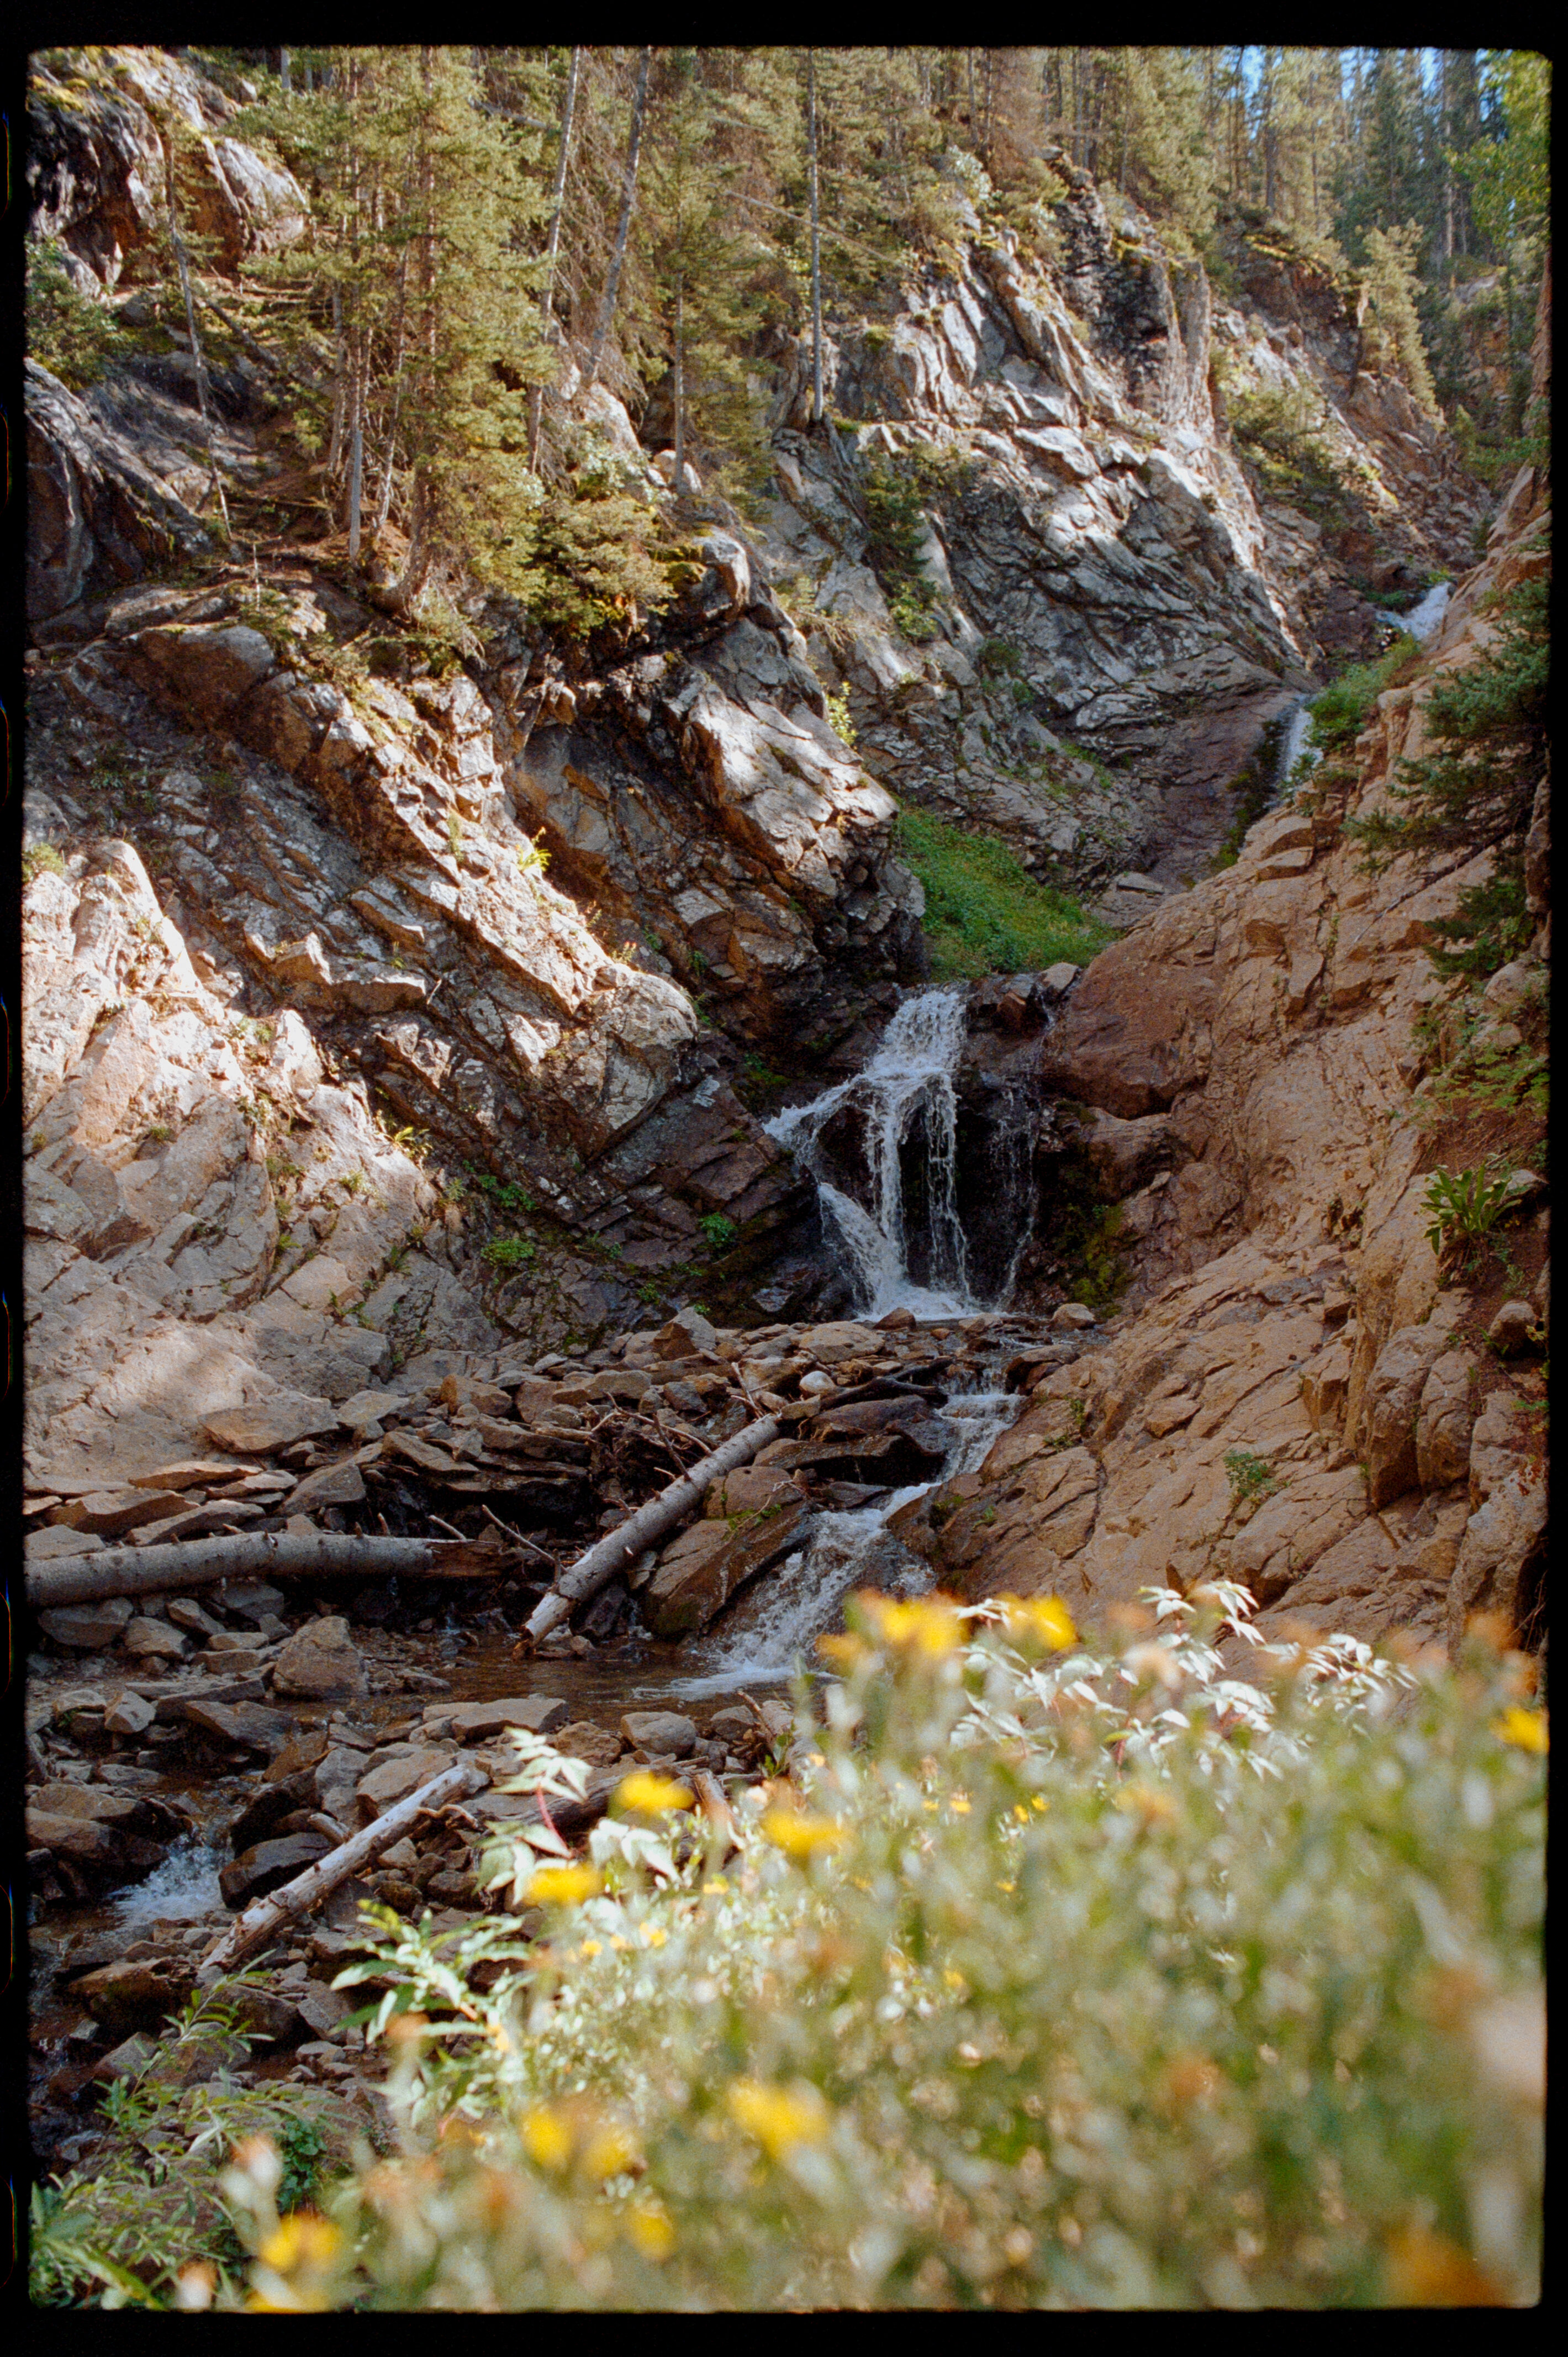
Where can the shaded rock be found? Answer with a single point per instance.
(398, 1771)
(1444, 1422)
(128, 1714)
(274, 1423)
(126, 1997)
(709, 1563)
(330, 1485)
(1391, 1408)
(599, 1746)
(262, 1868)
(1501, 1563)
(269, 1804)
(87, 1628)
(1512, 1330)
(246, 1726)
(154, 1640)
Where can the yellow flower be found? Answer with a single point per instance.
(1036, 1802)
(798, 1836)
(547, 2138)
(610, 2151)
(715, 1887)
(291, 2265)
(302, 2240)
(960, 1805)
(649, 2229)
(1147, 1802)
(846, 1651)
(653, 1936)
(1045, 1618)
(955, 1980)
(779, 2117)
(1006, 1886)
(561, 1886)
(926, 1624)
(590, 1947)
(1021, 1813)
(650, 1794)
(1526, 1728)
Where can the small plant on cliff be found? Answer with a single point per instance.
(41, 859)
(718, 1231)
(1252, 1477)
(985, 912)
(838, 717)
(1465, 1206)
(510, 1252)
(1341, 712)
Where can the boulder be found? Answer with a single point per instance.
(1390, 1407)
(88, 1628)
(154, 1640)
(342, 1484)
(1072, 1317)
(276, 1422)
(699, 1572)
(1513, 1329)
(320, 1659)
(397, 1771)
(472, 1722)
(666, 1734)
(270, 1863)
(599, 1746)
(1444, 1421)
(136, 1996)
(1501, 1560)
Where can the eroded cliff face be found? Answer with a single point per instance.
(1298, 1397)
(1099, 574)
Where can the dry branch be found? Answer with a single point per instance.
(661, 1514)
(196, 1563)
(266, 1916)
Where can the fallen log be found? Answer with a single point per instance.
(196, 1563)
(662, 1513)
(265, 1917)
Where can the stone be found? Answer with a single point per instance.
(255, 1600)
(128, 1714)
(267, 1865)
(749, 1489)
(686, 1334)
(320, 1659)
(187, 1473)
(831, 1344)
(1501, 1565)
(81, 1839)
(88, 1628)
(665, 1733)
(366, 1407)
(154, 1640)
(112, 1512)
(272, 1802)
(1391, 1408)
(1514, 985)
(700, 1572)
(247, 1727)
(398, 1771)
(1059, 979)
(472, 1722)
(57, 1540)
(342, 1484)
(599, 1746)
(324, 2009)
(1071, 1318)
(136, 1996)
(185, 1613)
(1511, 1330)
(276, 1422)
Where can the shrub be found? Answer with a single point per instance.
(70, 333)
(718, 1231)
(984, 913)
(1341, 712)
(42, 859)
(838, 717)
(510, 1252)
(1491, 925)
(1251, 1478)
(1065, 1979)
(1465, 1206)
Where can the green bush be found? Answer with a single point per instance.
(1342, 711)
(1068, 1978)
(510, 1252)
(1465, 1206)
(1491, 926)
(68, 333)
(985, 912)
(718, 1230)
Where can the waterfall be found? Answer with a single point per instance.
(771, 1626)
(908, 1082)
(1424, 620)
(1294, 746)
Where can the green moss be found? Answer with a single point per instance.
(984, 913)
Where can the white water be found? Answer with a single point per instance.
(1424, 621)
(911, 1073)
(770, 1629)
(182, 1889)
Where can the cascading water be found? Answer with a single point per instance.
(772, 1626)
(909, 1079)
(1424, 620)
(1422, 623)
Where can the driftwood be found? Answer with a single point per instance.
(671, 1506)
(196, 1563)
(264, 1916)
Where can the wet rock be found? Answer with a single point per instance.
(320, 1659)
(266, 1809)
(599, 1746)
(244, 1726)
(662, 1732)
(1071, 1318)
(709, 1563)
(267, 1865)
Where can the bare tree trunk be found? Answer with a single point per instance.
(262, 1920)
(198, 357)
(628, 196)
(284, 63)
(340, 387)
(680, 385)
(196, 1563)
(591, 1571)
(816, 241)
(552, 250)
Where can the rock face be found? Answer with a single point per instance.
(1290, 1399)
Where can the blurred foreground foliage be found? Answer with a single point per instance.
(1053, 1977)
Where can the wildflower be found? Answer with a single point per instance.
(1426, 2270)
(1006, 1886)
(293, 2265)
(779, 2118)
(591, 1947)
(1045, 1618)
(649, 1794)
(955, 1980)
(926, 1624)
(610, 2151)
(546, 2137)
(649, 2228)
(1146, 1800)
(715, 1887)
(1524, 1729)
(653, 1936)
(961, 1804)
(800, 1835)
(561, 1886)
(845, 1652)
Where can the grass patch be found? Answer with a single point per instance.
(1341, 712)
(985, 912)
